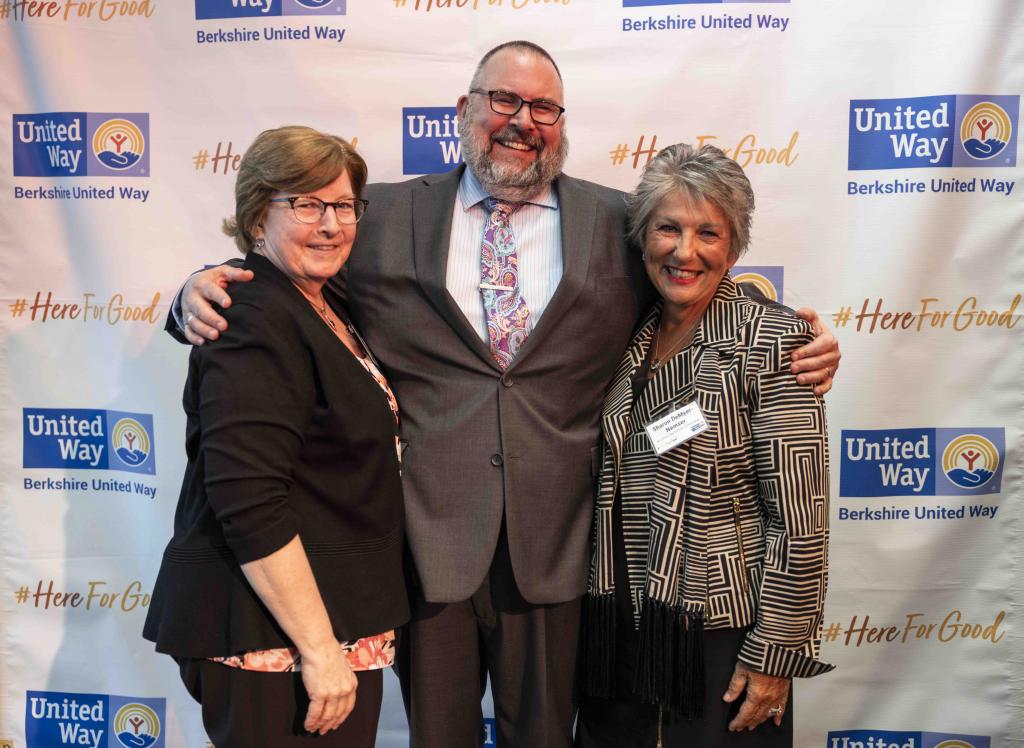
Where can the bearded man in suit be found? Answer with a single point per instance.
(499, 350)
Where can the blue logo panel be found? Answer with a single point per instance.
(84, 439)
(901, 133)
(877, 738)
(768, 279)
(970, 461)
(118, 145)
(976, 130)
(892, 462)
(986, 133)
(206, 9)
(430, 140)
(50, 144)
(902, 739)
(922, 462)
(210, 9)
(54, 718)
(80, 144)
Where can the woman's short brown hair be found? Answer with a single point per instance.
(292, 159)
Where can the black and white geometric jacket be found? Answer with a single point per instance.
(730, 528)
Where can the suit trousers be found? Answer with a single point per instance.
(248, 709)
(448, 650)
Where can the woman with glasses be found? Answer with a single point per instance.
(281, 588)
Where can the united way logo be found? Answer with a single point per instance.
(922, 462)
(118, 144)
(970, 461)
(902, 739)
(55, 719)
(81, 439)
(963, 130)
(81, 144)
(985, 130)
(430, 140)
(136, 725)
(129, 441)
(766, 279)
(207, 9)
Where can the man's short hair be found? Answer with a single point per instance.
(518, 44)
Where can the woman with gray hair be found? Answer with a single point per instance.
(709, 569)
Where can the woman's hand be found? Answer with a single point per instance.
(284, 582)
(818, 361)
(202, 323)
(331, 686)
(764, 694)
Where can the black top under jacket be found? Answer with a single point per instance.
(286, 434)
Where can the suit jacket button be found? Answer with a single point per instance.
(497, 460)
(507, 380)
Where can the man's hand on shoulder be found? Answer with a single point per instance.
(818, 361)
(202, 322)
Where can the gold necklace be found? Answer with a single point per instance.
(322, 309)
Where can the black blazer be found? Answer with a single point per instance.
(286, 434)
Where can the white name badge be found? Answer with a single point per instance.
(682, 423)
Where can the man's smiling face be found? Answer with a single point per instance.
(513, 157)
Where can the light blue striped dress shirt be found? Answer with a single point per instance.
(537, 229)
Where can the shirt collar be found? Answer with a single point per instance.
(472, 193)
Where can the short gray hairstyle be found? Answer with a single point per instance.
(700, 174)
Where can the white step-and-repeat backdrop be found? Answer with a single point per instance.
(883, 142)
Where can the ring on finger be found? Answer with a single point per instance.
(775, 710)
(189, 317)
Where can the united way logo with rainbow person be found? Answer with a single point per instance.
(969, 461)
(766, 279)
(129, 442)
(136, 725)
(922, 462)
(985, 130)
(953, 130)
(209, 9)
(903, 739)
(81, 144)
(59, 718)
(118, 143)
(87, 439)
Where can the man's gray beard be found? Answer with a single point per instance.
(505, 181)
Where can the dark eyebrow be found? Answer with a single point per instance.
(541, 100)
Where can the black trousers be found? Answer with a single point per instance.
(247, 709)
(624, 722)
(448, 649)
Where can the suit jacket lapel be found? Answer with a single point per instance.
(577, 212)
(433, 201)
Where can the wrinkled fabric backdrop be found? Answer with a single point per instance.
(882, 142)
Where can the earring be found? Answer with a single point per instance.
(260, 244)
